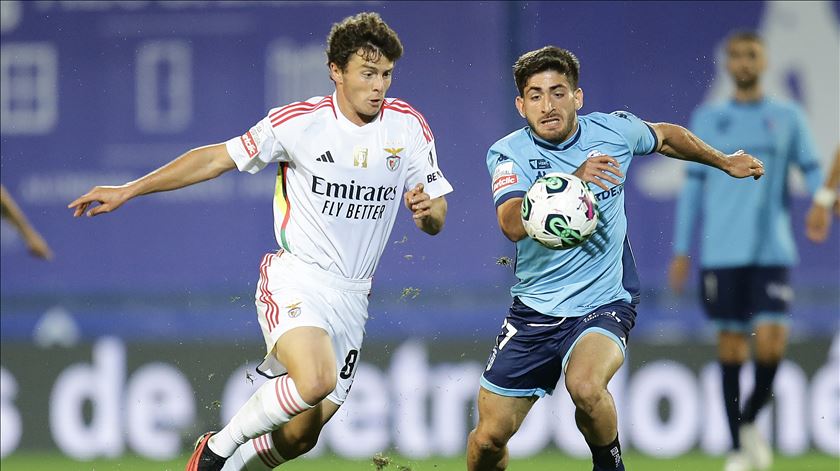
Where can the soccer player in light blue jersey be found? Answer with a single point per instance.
(747, 240)
(572, 309)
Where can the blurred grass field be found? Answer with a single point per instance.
(548, 461)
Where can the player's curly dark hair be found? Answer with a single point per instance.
(546, 58)
(365, 34)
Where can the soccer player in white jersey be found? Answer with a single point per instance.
(343, 161)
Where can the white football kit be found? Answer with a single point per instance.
(339, 187)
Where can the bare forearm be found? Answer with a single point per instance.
(834, 174)
(194, 166)
(510, 219)
(12, 212)
(680, 143)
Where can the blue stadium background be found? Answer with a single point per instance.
(103, 92)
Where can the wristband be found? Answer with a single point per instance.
(825, 197)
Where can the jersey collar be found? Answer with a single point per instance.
(349, 125)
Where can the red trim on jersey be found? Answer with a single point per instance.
(403, 107)
(298, 109)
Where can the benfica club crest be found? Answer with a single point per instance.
(392, 162)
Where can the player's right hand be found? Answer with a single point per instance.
(108, 198)
(678, 273)
(598, 169)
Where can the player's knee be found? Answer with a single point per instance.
(314, 388)
(488, 441)
(585, 393)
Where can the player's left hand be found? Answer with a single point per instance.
(743, 165)
(418, 202)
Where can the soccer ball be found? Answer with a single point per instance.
(559, 211)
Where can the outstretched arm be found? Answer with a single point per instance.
(9, 209)
(197, 165)
(429, 214)
(680, 143)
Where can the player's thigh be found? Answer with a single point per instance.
(499, 417)
(594, 360)
(306, 351)
(595, 349)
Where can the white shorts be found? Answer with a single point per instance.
(292, 293)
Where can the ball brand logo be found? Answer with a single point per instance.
(249, 144)
(294, 309)
(555, 184)
(392, 162)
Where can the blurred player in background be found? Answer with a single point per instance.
(747, 239)
(10, 210)
(344, 160)
(818, 221)
(572, 309)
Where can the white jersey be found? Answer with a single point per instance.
(339, 185)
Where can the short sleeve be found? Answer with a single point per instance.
(258, 147)
(639, 135)
(508, 179)
(424, 168)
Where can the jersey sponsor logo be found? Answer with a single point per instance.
(249, 144)
(352, 190)
(392, 162)
(294, 309)
(502, 158)
(539, 164)
(504, 181)
(360, 157)
(614, 191)
(325, 157)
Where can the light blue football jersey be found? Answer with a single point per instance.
(746, 222)
(576, 281)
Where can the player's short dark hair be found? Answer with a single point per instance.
(366, 34)
(546, 58)
(744, 35)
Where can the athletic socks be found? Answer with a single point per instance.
(258, 454)
(731, 399)
(764, 375)
(607, 457)
(274, 404)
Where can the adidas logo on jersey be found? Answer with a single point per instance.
(325, 157)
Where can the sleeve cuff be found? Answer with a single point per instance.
(507, 196)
